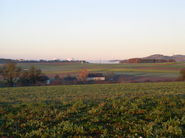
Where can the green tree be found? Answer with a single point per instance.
(32, 76)
(10, 73)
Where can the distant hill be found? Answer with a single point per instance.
(156, 58)
(178, 58)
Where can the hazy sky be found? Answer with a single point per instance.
(91, 29)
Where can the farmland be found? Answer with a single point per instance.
(140, 72)
(53, 68)
(111, 110)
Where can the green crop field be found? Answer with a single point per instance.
(111, 110)
(144, 69)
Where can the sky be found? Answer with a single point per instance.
(91, 29)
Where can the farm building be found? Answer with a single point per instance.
(95, 77)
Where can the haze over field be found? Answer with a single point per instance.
(91, 30)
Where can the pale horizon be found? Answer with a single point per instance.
(91, 30)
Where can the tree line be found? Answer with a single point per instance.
(12, 75)
(2, 60)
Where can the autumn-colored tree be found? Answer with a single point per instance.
(82, 76)
(10, 73)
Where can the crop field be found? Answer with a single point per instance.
(170, 70)
(106, 110)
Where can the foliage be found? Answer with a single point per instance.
(82, 76)
(116, 110)
(32, 76)
(10, 73)
(13, 75)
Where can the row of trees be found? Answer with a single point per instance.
(12, 75)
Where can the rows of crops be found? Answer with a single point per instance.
(116, 110)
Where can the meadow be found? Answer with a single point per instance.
(106, 110)
(168, 70)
